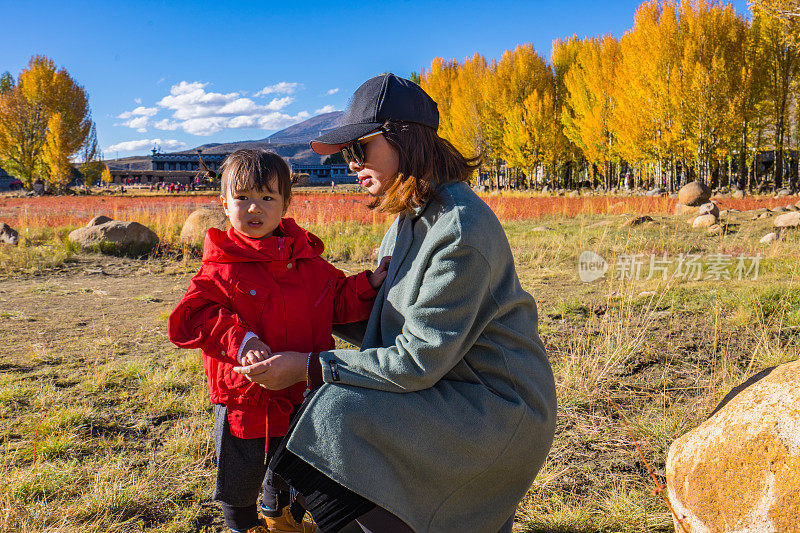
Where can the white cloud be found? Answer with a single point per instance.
(326, 109)
(205, 125)
(139, 111)
(167, 124)
(144, 144)
(137, 100)
(332, 91)
(283, 87)
(276, 104)
(200, 112)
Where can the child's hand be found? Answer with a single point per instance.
(377, 277)
(254, 351)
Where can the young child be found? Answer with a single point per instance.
(263, 286)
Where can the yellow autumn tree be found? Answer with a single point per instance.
(589, 102)
(563, 59)
(785, 12)
(466, 106)
(106, 176)
(520, 82)
(711, 39)
(438, 83)
(41, 91)
(55, 154)
(749, 105)
(645, 122)
(782, 63)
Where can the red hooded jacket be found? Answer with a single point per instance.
(277, 287)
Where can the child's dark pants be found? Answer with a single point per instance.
(241, 469)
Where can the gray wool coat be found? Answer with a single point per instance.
(447, 412)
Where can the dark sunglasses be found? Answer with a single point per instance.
(354, 152)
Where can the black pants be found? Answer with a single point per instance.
(241, 475)
(333, 506)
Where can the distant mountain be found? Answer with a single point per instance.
(303, 132)
(290, 143)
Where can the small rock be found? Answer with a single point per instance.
(681, 209)
(779, 209)
(784, 192)
(738, 194)
(539, 229)
(704, 221)
(636, 221)
(694, 194)
(600, 224)
(788, 220)
(715, 229)
(99, 219)
(766, 214)
(792, 208)
(709, 208)
(769, 238)
(8, 235)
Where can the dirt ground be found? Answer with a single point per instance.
(98, 315)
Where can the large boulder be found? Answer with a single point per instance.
(788, 220)
(8, 235)
(116, 236)
(694, 193)
(199, 222)
(739, 470)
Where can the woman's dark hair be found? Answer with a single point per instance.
(426, 161)
(255, 168)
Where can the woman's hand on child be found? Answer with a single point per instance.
(281, 370)
(254, 350)
(377, 277)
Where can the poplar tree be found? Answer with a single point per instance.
(589, 102)
(41, 91)
(781, 61)
(564, 58)
(55, 154)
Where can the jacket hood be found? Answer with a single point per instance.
(289, 241)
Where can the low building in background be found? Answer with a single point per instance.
(325, 174)
(8, 182)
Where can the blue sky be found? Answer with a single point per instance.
(183, 73)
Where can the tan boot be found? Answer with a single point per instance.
(258, 529)
(286, 523)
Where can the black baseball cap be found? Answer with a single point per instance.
(382, 98)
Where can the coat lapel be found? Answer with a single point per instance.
(405, 236)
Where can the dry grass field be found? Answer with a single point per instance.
(106, 427)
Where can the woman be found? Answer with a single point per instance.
(442, 419)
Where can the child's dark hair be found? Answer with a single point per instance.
(261, 169)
